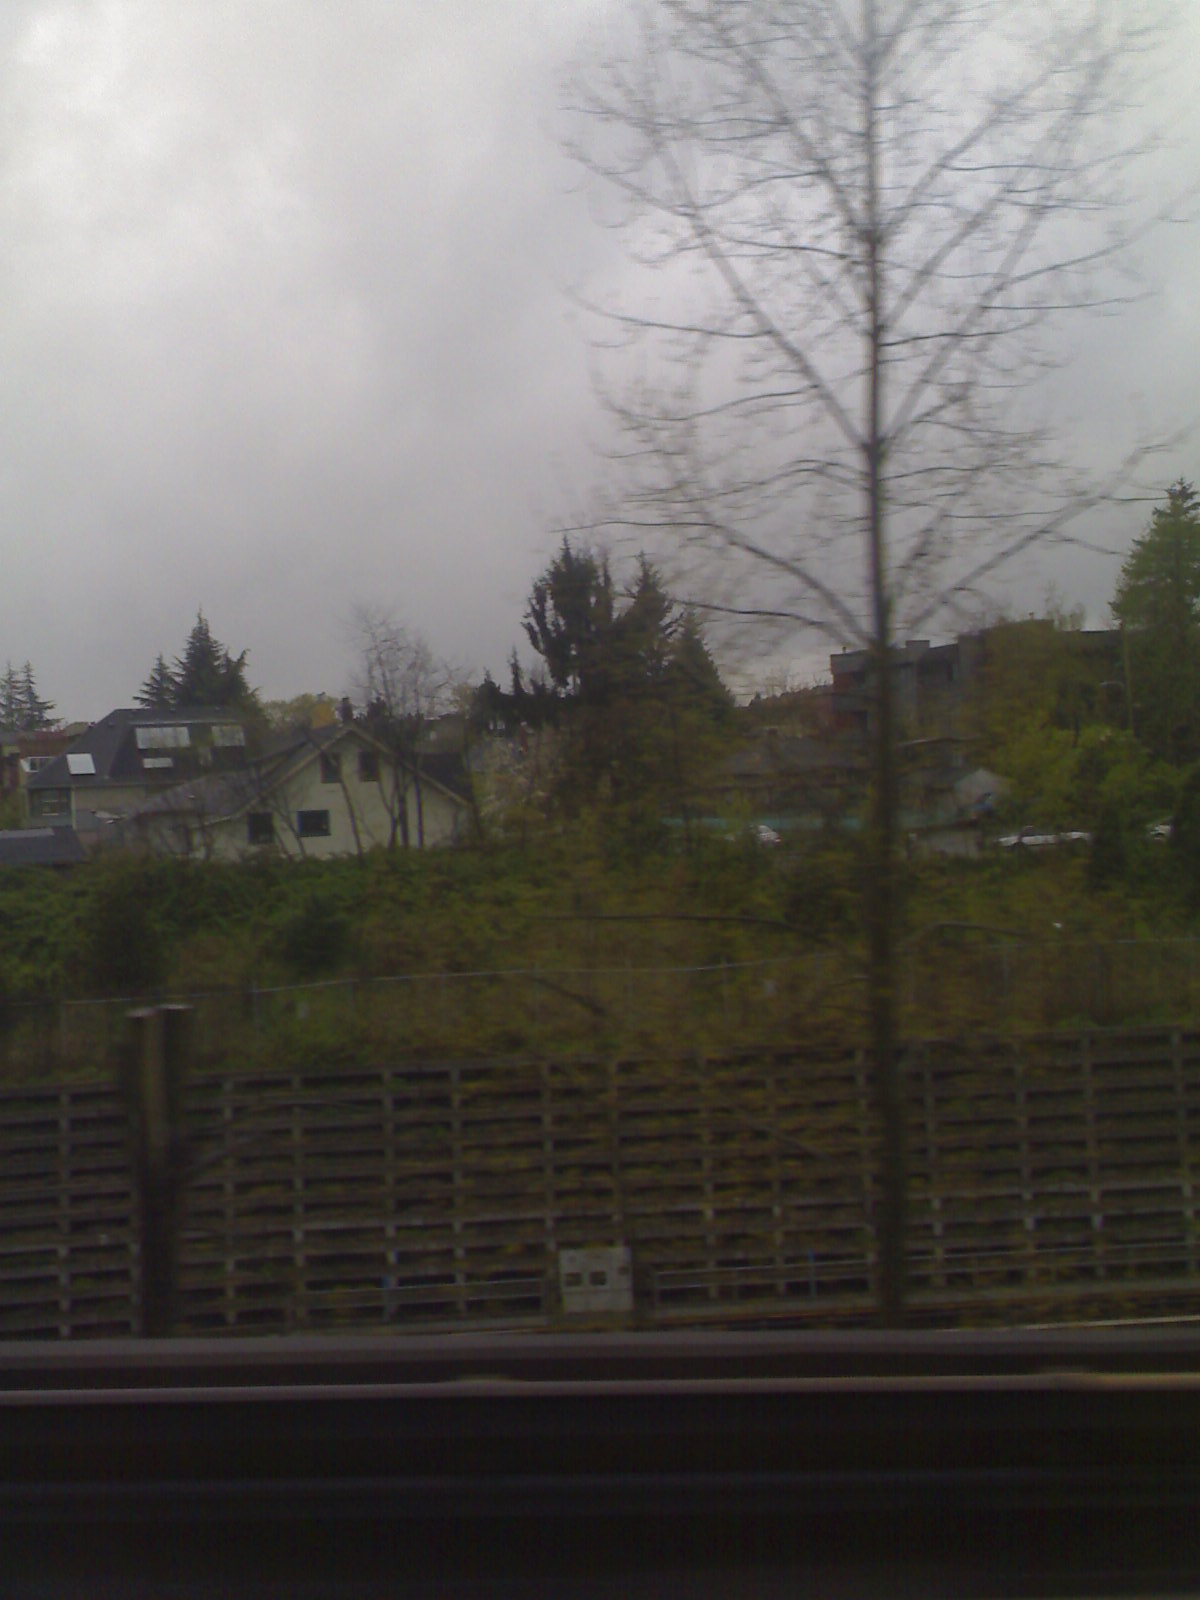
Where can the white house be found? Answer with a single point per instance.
(323, 792)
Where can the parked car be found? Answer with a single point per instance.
(1041, 839)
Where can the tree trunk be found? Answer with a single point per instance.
(881, 844)
(400, 800)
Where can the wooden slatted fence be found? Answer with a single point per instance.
(68, 1222)
(417, 1193)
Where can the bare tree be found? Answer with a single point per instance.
(404, 688)
(865, 216)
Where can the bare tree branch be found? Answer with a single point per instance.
(866, 217)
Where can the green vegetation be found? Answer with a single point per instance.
(589, 941)
(628, 681)
(595, 914)
(1099, 732)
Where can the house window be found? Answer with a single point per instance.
(368, 766)
(312, 824)
(260, 827)
(331, 767)
(50, 803)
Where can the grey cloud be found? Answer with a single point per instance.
(283, 326)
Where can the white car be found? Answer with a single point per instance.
(1037, 839)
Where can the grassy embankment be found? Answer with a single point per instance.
(579, 944)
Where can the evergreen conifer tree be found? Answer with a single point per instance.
(21, 707)
(35, 713)
(158, 691)
(204, 674)
(10, 698)
(1158, 604)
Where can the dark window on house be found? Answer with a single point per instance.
(260, 827)
(368, 766)
(331, 769)
(50, 803)
(312, 824)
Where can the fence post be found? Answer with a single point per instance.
(867, 1174)
(459, 1182)
(155, 1063)
(64, 1214)
(1095, 1175)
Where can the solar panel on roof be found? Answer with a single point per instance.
(168, 736)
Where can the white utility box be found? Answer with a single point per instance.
(596, 1279)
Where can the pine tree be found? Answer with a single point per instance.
(35, 713)
(568, 621)
(10, 698)
(622, 676)
(1157, 602)
(205, 674)
(158, 691)
(694, 673)
(21, 707)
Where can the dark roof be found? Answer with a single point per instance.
(52, 740)
(40, 847)
(220, 795)
(224, 794)
(112, 745)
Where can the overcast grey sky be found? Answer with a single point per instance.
(283, 327)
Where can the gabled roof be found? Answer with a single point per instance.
(223, 796)
(40, 847)
(108, 751)
(218, 796)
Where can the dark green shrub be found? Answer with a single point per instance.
(1109, 856)
(824, 896)
(315, 933)
(1185, 835)
(119, 945)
